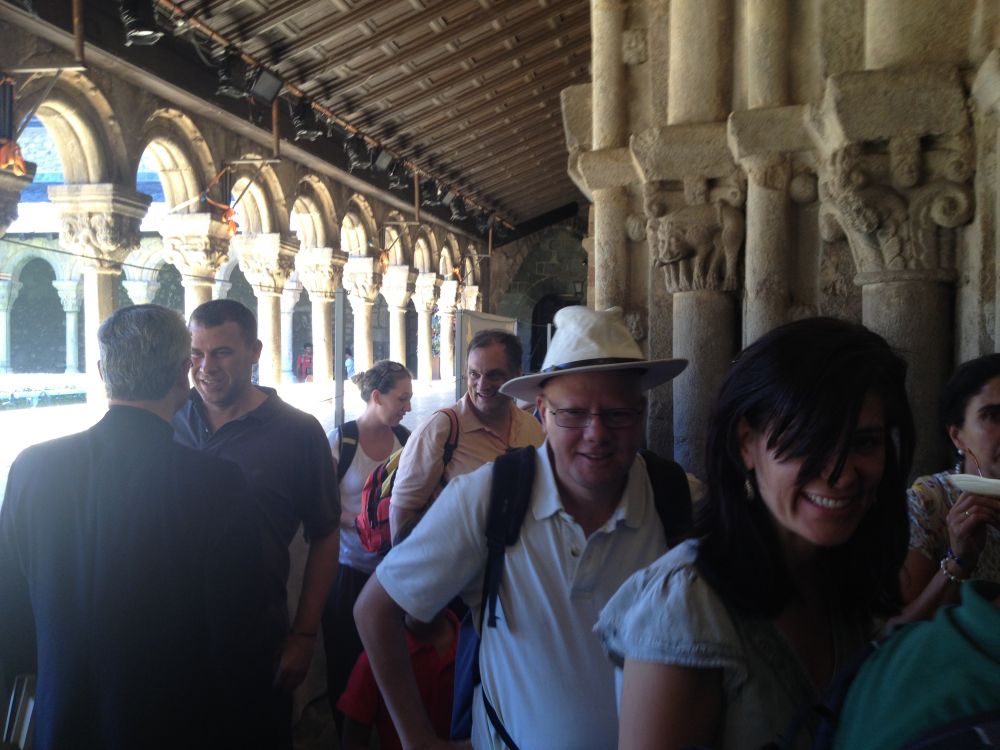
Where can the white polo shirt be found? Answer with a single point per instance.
(543, 668)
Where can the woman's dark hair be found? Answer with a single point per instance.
(381, 376)
(969, 379)
(803, 385)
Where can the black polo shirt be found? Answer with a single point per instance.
(286, 461)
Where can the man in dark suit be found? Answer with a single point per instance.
(130, 568)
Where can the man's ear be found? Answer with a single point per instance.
(543, 413)
(100, 371)
(257, 347)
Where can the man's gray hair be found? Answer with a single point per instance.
(143, 348)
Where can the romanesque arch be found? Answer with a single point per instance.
(396, 240)
(181, 156)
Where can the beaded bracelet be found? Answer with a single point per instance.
(948, 574)
(957, 560)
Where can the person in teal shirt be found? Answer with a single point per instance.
(927, 675)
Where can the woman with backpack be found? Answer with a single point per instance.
(358, 447)
(796, 548)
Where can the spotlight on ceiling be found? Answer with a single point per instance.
(430, 193)
(358, 155)
(449, 196)
(458, 210)
(483, 221)
(232, 75)
(264, 86)
(137, 18)
(399, 177)
(304, 121)
(383, 160)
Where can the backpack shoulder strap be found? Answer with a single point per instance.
(671, 495)
(402, 434)
(348, 436)
(452, 442)
(510, 496)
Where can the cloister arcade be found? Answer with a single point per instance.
(93, 236)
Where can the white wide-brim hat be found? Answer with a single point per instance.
(593, 341)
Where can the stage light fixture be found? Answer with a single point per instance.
(449, 196)
(140, 27)
(399, 177)
(264, 86)
(458, 209)
(358, 156)
(383, 160)
(430, 193)
(232, 75)
(304, 121)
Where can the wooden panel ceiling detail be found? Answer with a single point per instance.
(464, 88)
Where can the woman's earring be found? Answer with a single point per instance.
(749, 490)
(959, 461)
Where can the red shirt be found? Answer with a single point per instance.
(362, 702)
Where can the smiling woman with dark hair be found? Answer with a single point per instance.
(797, 550)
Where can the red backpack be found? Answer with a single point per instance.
(372, 522)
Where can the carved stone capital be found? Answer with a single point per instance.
(471, 298)
(363, 278)
(398, 284)
(290, 295)
(770, 171)
(197, 244)
(321, 271)
(99, 222)
(448, 297)
(698, 247)
(11, 187)
(8, 293)
(141, 292)
(896, 223)
(266, 260)
(425, 292)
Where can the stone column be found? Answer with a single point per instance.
(321, 271)
(141, 291)
(8, 293)
(447, 303)
(424, 298)
(362, 278)
(899, 213)
(289, 298)
(197, 245)
(100, 224)
(767, 53)
(699, 255)
(607, 24)
(700, 61)
(267, 260)
(69, 295)
(397, 288)
(916, 32)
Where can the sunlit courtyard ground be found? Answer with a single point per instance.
(22, 427)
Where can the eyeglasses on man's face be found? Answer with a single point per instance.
(612, 419)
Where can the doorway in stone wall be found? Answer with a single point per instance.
(541, 316)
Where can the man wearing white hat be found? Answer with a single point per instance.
(591, 521)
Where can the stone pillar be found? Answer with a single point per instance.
(321, 271)
(8, 293)
(699, 248)
(424, 298)
(267, 260)
(69, 295)
(289, 298)
(447, 303)
(767, 53)
(899, 209)
(699, 61)
(607, 24)
(100, 224)
(397, 288)
(141, 291)
(197, 245)
(362, 278)
(916, 32)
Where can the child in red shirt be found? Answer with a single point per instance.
(432, 653)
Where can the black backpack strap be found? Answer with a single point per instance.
(671, 495)
(452, 442)
(402, 434)
(968, 733)
(510, 495)
(348, 437)
(491, 714)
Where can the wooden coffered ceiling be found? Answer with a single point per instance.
(467, 91)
